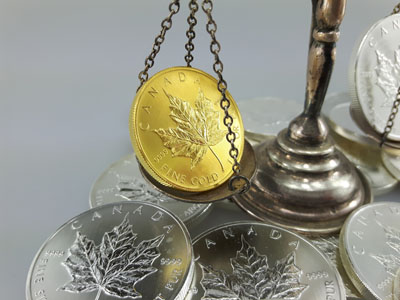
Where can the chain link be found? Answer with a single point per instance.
(166, 24)
(190, 33)
(396, 9)
(218, 67)
(392, 116)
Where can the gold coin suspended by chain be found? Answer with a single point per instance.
(178, 133)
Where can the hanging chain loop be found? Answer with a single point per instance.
(215, 48)
(396, 9)
(392, 116)
(166, 24)
(190, 33)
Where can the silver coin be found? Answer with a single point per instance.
(122, 181)
(370, 248)
(130, 250)
(374, 77)
(336, 111)
(249, 260)
(391, 160)
(396, 286)
(267, 115)
(329, 246)
(360, 149)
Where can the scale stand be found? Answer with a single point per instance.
(301, 180)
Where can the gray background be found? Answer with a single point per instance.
(68, 74)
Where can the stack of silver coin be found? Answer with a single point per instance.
(369, 248)
(359, 118)
(362, 150)
(133, 244)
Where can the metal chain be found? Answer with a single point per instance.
(166, 24)
(392, 116)
(218, 67)
(190, 33)
(396, 9)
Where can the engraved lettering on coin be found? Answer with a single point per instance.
(253, 278)
(370, 249)
(173, 175)
(166, 81)
(147, 108)
(113, 267)
(136, 250)
(375, 77)
(153, 92)
(144, 127)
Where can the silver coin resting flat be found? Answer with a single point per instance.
(266, 116)
(359, 148)
(391, 160)
(122, 181)
(396, 286)
(131, 250)
(329, 246)
(374, 77)
(249, 260)
(370, 248)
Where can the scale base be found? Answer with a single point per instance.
(307, 188)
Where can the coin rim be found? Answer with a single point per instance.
(349, 267)
(191, 266)
(365, 140)
(342, 290)
(261, 102)
(356, 108)
(396, 286)
(137, 146)
(190, 221)
(387, 163)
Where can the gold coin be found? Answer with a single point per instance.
(177, 130)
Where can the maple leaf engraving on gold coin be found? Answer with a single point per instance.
(177, 130)
(197, 131)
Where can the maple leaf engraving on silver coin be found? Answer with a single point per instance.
(391, 262)
(253, 279)
(388, 73)
(135, 189)
(329, 246)
(113, 267)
